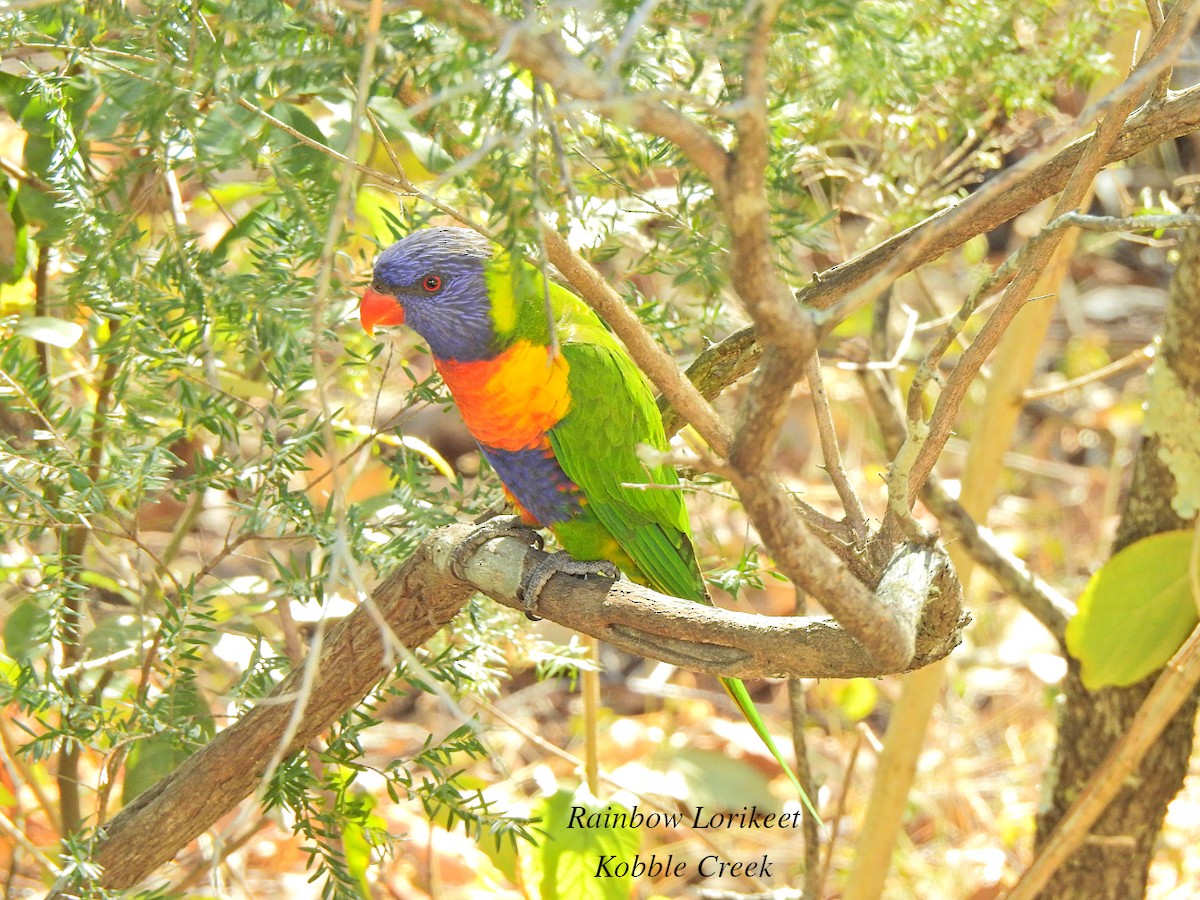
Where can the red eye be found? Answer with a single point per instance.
(432, 283)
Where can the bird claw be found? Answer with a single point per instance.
(560, 562)
(498, 526)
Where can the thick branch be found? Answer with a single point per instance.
(1164, 47)
(415, 602)
(422, 596)
(1123, 752)
(727, 643)
(813, 566)
(737, 355)
(1149, 127)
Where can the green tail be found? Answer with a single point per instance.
(741, 697)
(644, 532)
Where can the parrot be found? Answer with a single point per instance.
(557, 407)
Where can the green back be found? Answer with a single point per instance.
(612, 412)
(644, 531)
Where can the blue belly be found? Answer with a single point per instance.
(538, 483)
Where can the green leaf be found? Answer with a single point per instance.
(113, 634)
(42, 209)
(47, 329)
(226, 134)
(296, 156)
(571, 851)
(1135, 612)
(27, 631)
(14, 238)
(712, 778)
(157, 756)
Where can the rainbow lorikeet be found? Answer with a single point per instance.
(559, 416)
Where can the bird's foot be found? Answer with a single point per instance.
(563, 563)
(497, 526)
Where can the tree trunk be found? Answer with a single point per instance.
(1114, 863)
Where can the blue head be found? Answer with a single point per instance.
(433, 281)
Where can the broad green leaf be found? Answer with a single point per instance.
(155, 757)
(857, 698)
(712, 778)
(149, 761)
(297, 157)
(240, 229)
(113, 634)
(1135, 612)
(27, 631)
(573, 848)
(49, 330)
(14, 238)
(40, 208)
(227, 134)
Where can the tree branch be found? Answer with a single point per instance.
(1045, 603)
(415, 601)
(738, 181)
(546, 58)
(1166, 44)
(831, 452)
(1174, 685)
(943, 232)
(724, 642)
(723, 363)
(813, 566)
(423, 595)
(646, 352)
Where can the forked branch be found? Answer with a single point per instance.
(423, 595)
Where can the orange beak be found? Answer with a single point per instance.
(378, 309)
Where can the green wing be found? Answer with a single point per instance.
(612, 412)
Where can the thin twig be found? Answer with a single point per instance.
(1139, 357)
(18, 835)
(832, 453)
(321, 290)
(735, 356)
(649, 355)
(798, 707)
(863, 734)
(548, 60)
(1046, 604)
(1112, 111)
(1166, 44)
(17, 765)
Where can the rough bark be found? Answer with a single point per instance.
(918, 587)
(1114, 864)
(354, 657)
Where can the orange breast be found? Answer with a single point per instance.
(511, 401)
